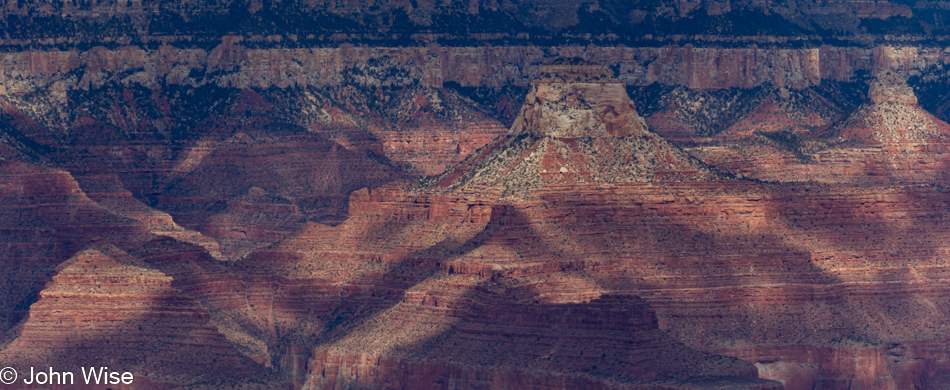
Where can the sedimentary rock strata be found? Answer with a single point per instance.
(888, 139)
(106, 309)
(577, 126)
(45, 219)
(252, 209)
(256, 188)
(474, 340)
(233, 64)
(762, 271)
(574, 99)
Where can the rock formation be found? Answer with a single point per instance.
(688, 65)
(573, 99)
(764, 272)
(269, 184)
(888, 139)
(892, 117)
(46, 218)
(889, 87)
(509, 267)
(492, 341)
(105, 309)
(322, 194)
(578, 125)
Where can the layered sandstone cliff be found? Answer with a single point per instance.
(232, 64)
(451, 282)
(511, 266)
(809, 282)
(105, 309)
(46, 218)
(481, 339)
(790, 277)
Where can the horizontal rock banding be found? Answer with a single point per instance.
(231, 65)
(104, 308)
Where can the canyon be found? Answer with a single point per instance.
(477, 195)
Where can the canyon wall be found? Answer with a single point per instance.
(231, 64)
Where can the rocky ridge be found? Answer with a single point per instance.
(888, 139)
(422, 264)
(45, 219)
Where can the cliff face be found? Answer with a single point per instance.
(243, 167)
(789, 277)
(189, 22)
(573, 100)
(336, 200)
(232, 64)
(783, 276)
(511, 265)
(476, 340)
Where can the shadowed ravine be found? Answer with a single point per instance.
(365, 227)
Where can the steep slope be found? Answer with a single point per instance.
(892, 119)
(46, 218)
(691, 116)
(412, 292)
(577, 126)
(105, 309)
(888, 139)
(202, 155)
(254, 188)
(482, 340)
(109, 193)
(807, 282)
(427, 130)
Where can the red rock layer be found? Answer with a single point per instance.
(382, 280)
(757, 271)
(910, 162)
(763, 272)
(689, 116)
(103, 308)
(172, 150)
(435, 129)
(889, 139)
(437, 338)
(256, 188)
(46, 218)
(828, 267)
(108, 192)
